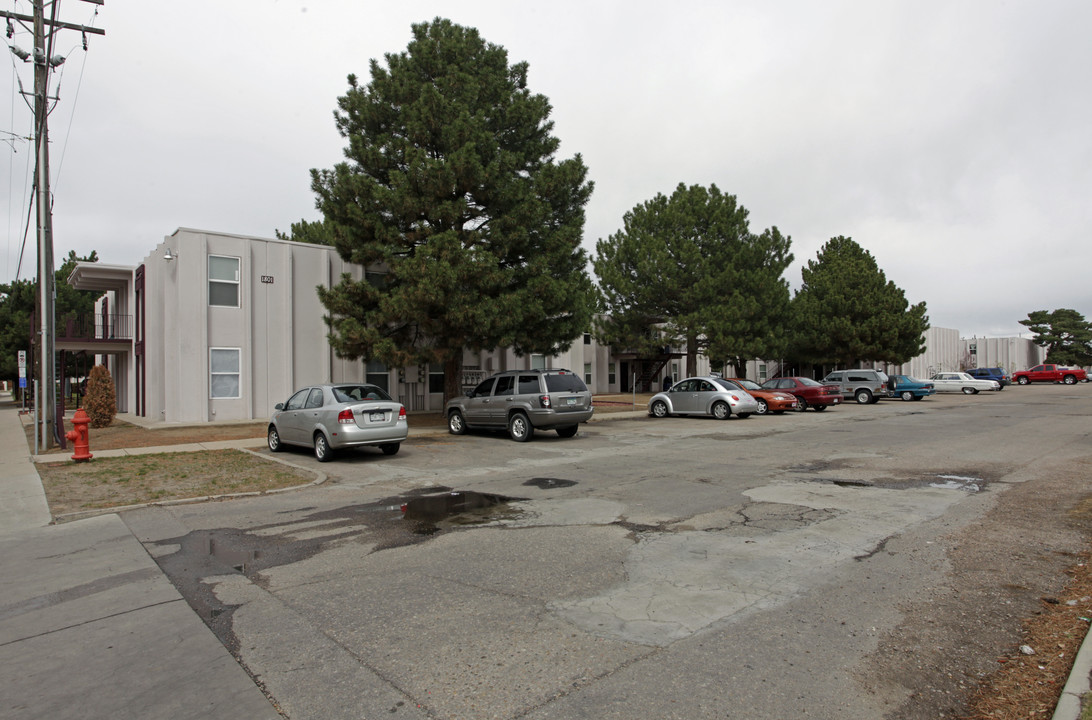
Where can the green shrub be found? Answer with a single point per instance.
(100, 404)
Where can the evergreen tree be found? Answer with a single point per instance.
(1065, 334)
(306, 231)
(452, 198)
(847, 312)
(18, 302)
(687, 269)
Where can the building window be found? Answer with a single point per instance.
(538, 362)
(587, 373)
(612, 375)
(762, 373)
(378, 375)
(223, 281)
(436, 378)
(587, 338)
(224, 366)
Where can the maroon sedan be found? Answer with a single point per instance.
(809, 392)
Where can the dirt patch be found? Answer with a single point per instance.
(104, 483)
(1014, 575)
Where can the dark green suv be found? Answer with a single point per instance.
(523, 401)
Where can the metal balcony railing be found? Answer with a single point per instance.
(95, 326)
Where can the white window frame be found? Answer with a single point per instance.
(222, 281)
(587, 373)
(538, 362)
(238, 373)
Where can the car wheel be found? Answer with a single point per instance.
(323, 453)
(274, 439)
(390, 448)
(456, 425)
(969, 391)
(918, 397)
(801, 404)
(519, 428)
(1070, 379)
(1023, 381)
(659, 409)
(567, 431)
(863, 397)
(820, 408)
(907, 395)
(763, 406)
(721, 411)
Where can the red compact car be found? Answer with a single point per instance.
(808, 392)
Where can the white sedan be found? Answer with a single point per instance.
(962, 382)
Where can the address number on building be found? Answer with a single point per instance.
(267, 279)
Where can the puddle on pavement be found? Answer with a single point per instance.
(958, 482)
(549, 483)
(237, 559)
(941, 481)
(432, 513)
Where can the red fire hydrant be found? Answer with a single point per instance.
(80, 436)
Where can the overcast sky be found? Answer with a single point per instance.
(951, 139)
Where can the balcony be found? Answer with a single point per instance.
(93, 332)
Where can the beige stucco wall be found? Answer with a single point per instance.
(278, 326)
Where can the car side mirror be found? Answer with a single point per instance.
(279, 406)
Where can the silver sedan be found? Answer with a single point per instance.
(329, 417)
(703, 396)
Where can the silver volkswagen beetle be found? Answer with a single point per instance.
(703, 396)
(329, 417)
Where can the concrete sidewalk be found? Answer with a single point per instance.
(89, 625)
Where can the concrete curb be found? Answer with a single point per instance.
(1071, 702)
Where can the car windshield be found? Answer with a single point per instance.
(748, 384)
(359, 393)
(565, 382)
(726, 384)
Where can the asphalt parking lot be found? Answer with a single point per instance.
(681, 567)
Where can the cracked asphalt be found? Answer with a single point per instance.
(681, 567)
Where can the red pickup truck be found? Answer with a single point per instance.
(1050, 373)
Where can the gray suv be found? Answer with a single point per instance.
(864, 386)
(522, 401)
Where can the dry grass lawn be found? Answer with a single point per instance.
(105, 483)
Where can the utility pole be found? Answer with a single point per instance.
(47, 428)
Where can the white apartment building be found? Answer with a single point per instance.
(213, 327)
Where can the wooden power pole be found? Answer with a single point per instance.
(44, 62)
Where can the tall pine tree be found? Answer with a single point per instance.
(1065, 334)
(687, 269)
(847, 311)
(452, 197)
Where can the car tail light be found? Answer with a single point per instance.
(345, 417)
(402, 413)
(734, 398)
(544, 401)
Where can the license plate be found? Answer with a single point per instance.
(571, 401)
(377, 416)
